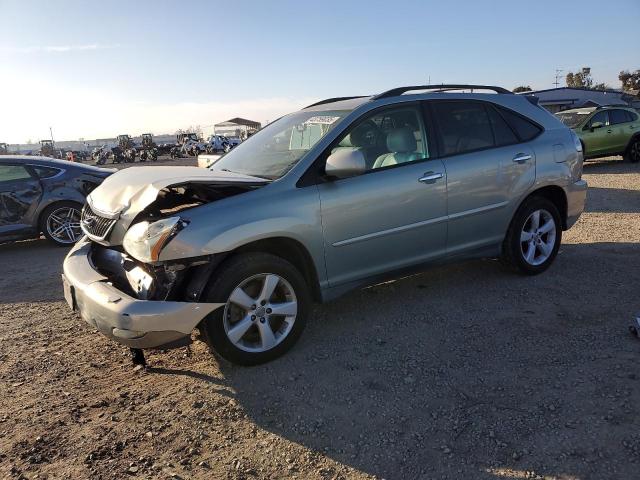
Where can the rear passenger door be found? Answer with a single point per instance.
(619, 123)
(489, 166)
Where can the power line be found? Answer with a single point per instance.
(558, 76)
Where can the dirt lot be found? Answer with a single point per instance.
(463, 372)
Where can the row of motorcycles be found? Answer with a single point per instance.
(101, 155)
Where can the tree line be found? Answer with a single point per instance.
(630, 81)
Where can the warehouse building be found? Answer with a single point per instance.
(237, 127)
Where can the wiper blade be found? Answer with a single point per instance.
(248, 174)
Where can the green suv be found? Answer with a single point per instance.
(605, 131)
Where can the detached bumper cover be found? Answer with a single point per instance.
(130, 321)
(576, 199)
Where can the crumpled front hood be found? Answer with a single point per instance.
(135, 188)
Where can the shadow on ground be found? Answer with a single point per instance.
(467, 371)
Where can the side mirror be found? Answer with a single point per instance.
(345, 163)
(595, 125)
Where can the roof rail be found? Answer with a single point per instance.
(441, 88)
(614, 105)
(331, 100)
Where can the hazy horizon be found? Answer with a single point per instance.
(96, 71)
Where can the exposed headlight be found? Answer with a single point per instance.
(144, 240)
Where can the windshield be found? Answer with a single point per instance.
(274, 150)
(572, 119)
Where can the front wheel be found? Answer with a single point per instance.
(266, 305)
(534, 236)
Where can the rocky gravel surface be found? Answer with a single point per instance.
(466, 371)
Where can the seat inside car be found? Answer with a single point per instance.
(402, 146)
(366, 138)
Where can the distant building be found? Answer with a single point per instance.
(558, 99)
(237, 127)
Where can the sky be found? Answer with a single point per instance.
(99, 69)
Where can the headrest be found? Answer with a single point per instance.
(401, 140)
(358, 136)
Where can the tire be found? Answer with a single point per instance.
(249, 272)
(49, 223)
(632, 154)
(516, 251)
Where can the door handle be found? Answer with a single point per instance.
(521, 158)
(609, 131)
(430, 177)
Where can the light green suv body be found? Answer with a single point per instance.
(605, 131)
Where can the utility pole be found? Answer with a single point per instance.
(51, 132)
(558, 76)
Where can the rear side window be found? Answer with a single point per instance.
(503, 133)
(618, 116)
(631, 116)
(463, 127)
(46, 172)
(525, 129)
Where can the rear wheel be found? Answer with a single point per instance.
(60, 223)
(534, 236)
(633, 152)
(266, 305)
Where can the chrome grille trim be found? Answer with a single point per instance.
(95, 226)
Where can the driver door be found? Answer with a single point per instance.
(597, 140)
(19, 197)
(395, 214)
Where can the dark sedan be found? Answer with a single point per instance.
(43, 195)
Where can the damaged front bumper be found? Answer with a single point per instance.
(130, 321)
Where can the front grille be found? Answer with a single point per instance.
(94, 225)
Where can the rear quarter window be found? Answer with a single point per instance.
(525, 129)
(46, 172)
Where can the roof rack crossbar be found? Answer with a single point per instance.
(394, 92)
(331, 100)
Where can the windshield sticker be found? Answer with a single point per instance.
(323, 120)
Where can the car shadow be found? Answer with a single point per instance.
(621, 200)
(609, 165)
(30, 263)
(465, 371)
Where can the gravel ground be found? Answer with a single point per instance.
(466, 371)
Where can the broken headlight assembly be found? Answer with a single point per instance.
(145, 240)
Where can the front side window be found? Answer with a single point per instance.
(464, 127)
(600, 117)
(388, 137)
(12, 173)
(277, 148)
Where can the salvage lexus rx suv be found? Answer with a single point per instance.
(341, 194)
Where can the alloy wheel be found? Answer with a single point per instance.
(63, 225)
(260, 312)
(538, 237)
